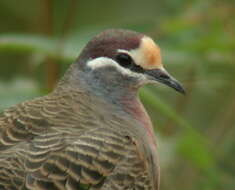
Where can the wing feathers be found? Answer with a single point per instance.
(41, 149)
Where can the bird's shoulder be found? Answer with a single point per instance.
(28, 119)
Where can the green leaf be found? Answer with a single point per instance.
(192, 144)
(66, 50)
(158, 104)
(27, 43)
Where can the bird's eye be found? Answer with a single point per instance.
(124, 60)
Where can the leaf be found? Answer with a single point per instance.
(152, 99)
(17, 91)
(192, 144)
(27, 43)
(66, 50)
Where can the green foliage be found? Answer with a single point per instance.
(27, 44)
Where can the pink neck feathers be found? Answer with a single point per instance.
(137, 110)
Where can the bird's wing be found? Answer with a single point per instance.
(35, 152)
(97, 159)
(23, 122)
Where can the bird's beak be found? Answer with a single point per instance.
(162, 76)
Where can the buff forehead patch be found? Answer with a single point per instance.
(147, 55)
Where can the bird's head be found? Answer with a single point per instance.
(123, 58)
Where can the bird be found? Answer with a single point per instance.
(92, 131)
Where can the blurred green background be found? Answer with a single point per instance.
(196, 132)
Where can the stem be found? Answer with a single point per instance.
(182, 102)
(51, 67)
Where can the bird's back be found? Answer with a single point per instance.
(60, 142)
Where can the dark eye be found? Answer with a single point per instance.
(124, 60)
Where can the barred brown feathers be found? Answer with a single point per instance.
(56, 142)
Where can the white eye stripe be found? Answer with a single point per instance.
(101, 62)
(105, 62)
(123, 51)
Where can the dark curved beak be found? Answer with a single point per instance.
(164, 77)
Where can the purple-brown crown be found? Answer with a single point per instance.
(106, 43)
(140, 47)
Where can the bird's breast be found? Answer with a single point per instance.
(137, 111)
